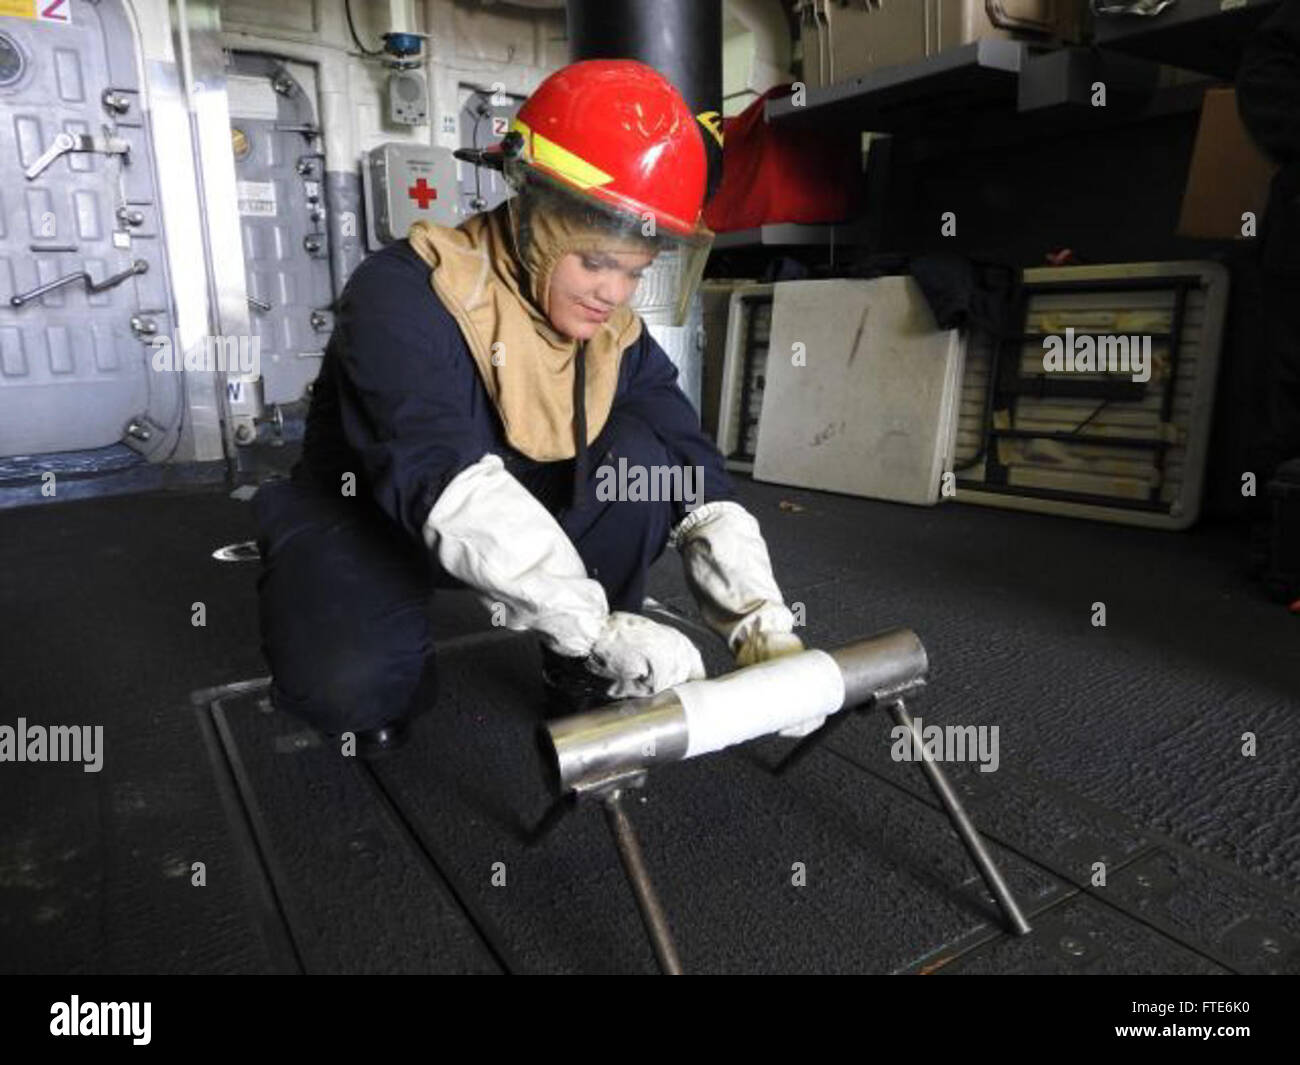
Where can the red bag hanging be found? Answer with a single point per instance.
(786, 172)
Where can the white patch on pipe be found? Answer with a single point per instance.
(759, 700)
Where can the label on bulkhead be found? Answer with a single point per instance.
(256, 198)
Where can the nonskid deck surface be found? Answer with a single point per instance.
(1119, 745)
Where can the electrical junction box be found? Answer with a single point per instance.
(408, 183)
(408, 98)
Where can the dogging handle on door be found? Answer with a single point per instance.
(137, 267)
(77, 142)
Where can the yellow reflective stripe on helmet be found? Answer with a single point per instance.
(571, 167)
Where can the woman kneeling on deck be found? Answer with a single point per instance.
(482, 388)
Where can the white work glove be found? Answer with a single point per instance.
(642, 657)
(490, 532)
(730, 575)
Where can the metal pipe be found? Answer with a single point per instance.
(652, 913)
(682, 39)
(585, 751)
(879, 666)
(962, 823)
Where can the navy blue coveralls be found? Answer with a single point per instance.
(399, 403)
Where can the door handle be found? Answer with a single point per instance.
(137, 267)
(76, 142)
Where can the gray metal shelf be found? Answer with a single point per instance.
(939, 88)
(1004, 92)
(994, 76)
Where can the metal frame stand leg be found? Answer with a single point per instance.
(629, 853)
(814, 739)
(555, 813)
(939, 783)
(964, 826)
(652, 912)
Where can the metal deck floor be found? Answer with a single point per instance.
(1118, 744)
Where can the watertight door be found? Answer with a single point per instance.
(485, 118)
(280, 174)
(83, 283)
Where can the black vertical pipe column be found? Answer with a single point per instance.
(682, 39)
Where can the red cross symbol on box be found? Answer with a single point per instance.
(422, 194)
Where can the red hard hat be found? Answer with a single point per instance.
(617, 131)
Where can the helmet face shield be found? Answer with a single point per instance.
(549, 219)
(666, 291)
